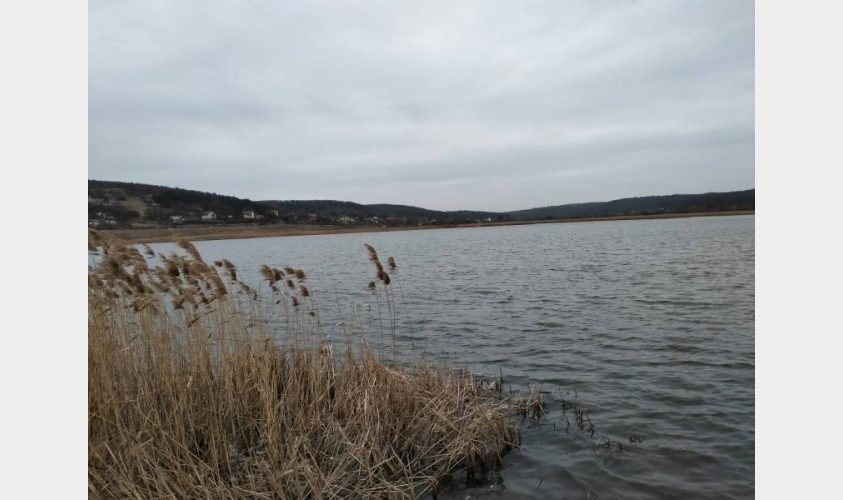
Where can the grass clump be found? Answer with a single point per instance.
(192, 393)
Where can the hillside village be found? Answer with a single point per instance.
(108, 213)
(115, 214)
(126, 205)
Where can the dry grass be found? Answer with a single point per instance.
(221, 232)
(192, 394)
(197, 233)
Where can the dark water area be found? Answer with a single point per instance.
(648, 324)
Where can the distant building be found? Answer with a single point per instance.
(345, 219)
(177, 219)
(211, 216)
(248, 214)
(272, 212)
(102, 219)
(101, 222)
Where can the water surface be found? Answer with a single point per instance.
(649, 323)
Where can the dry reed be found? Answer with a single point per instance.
(192, 394)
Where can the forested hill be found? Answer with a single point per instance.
(382, 211)
(127, 204)
(645, 205)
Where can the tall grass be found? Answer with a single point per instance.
(192, 393)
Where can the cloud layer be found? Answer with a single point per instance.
(446, 105)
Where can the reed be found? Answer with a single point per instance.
(192, 392)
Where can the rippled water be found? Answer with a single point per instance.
(649, 323)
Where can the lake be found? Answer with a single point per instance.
(649, 325)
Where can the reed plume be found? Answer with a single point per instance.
(268, 274)
(373, 254)
(190, 249)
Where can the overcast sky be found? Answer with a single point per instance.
(444, 105)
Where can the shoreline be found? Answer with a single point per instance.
(207, 233)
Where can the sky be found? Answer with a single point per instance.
(445, 105)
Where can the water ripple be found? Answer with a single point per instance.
(649, 323)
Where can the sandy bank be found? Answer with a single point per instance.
(200, 233)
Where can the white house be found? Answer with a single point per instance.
(248, 214)
(177, 219)
(209, 216)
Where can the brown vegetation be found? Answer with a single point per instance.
(196, 233)
(199, 387)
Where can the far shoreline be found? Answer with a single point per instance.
(208, 233)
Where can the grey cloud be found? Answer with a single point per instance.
(487, 105)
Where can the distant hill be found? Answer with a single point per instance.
(386, 213)
(123, 204)
(645, 205)
(126, 204)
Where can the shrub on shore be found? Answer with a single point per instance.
(192, 393)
